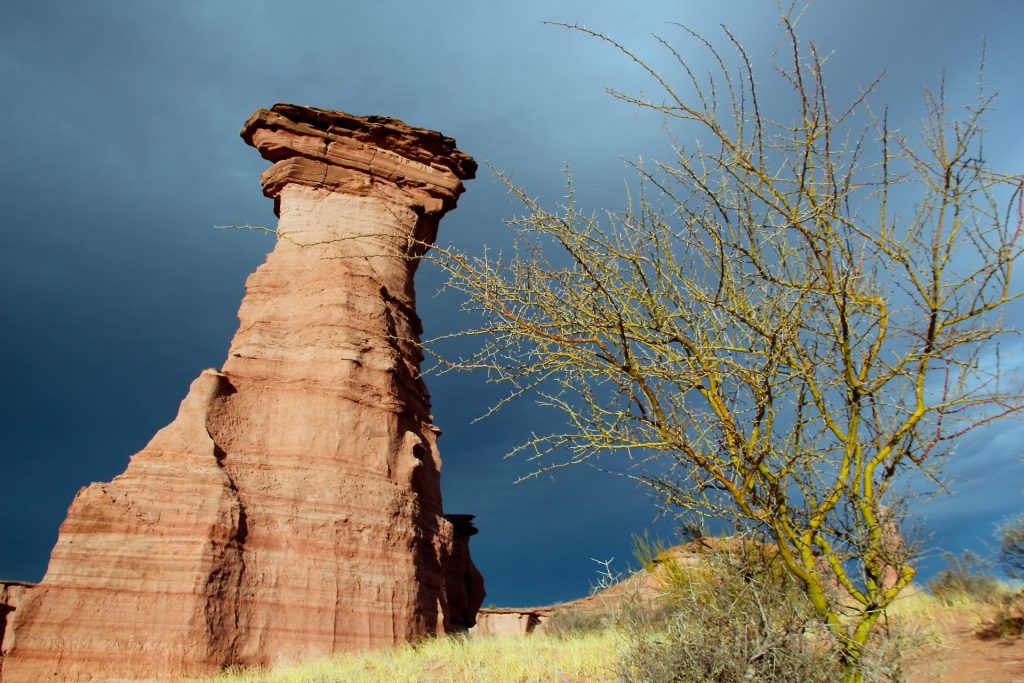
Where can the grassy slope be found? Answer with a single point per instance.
(586, 657)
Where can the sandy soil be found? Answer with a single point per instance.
(960, 655)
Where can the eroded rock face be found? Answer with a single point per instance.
(11, 595)
(293, 507)
(464, 585)
(506, 622)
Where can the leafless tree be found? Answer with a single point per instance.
(789, 317)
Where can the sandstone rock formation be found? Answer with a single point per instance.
(503, 622)
(464, 585)
(11, 595)
(293, 507)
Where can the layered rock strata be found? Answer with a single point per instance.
(293, 507)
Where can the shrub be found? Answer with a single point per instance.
(615, 601)
(1008, 620)
(1011, 547)
(738, 617)
(965, 580)
(572, 620)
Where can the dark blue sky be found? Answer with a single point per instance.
(120, 123)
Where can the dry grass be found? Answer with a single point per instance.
(590, 650)
(920, 618)
(580, 657)
(914, 627)
(918, 605)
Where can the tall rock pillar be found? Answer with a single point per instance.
(293, 507)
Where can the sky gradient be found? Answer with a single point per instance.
(121, 123)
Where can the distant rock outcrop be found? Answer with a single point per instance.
(641, 589)
(503, 622)
(293, 507)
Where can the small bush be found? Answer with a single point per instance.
(1008, 620)
(1011, 547)
(738, 618)
(965, 580)
(615, 600)
(571, 621)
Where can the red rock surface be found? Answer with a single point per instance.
(293, 507)
(11, 595)
(505, 622)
